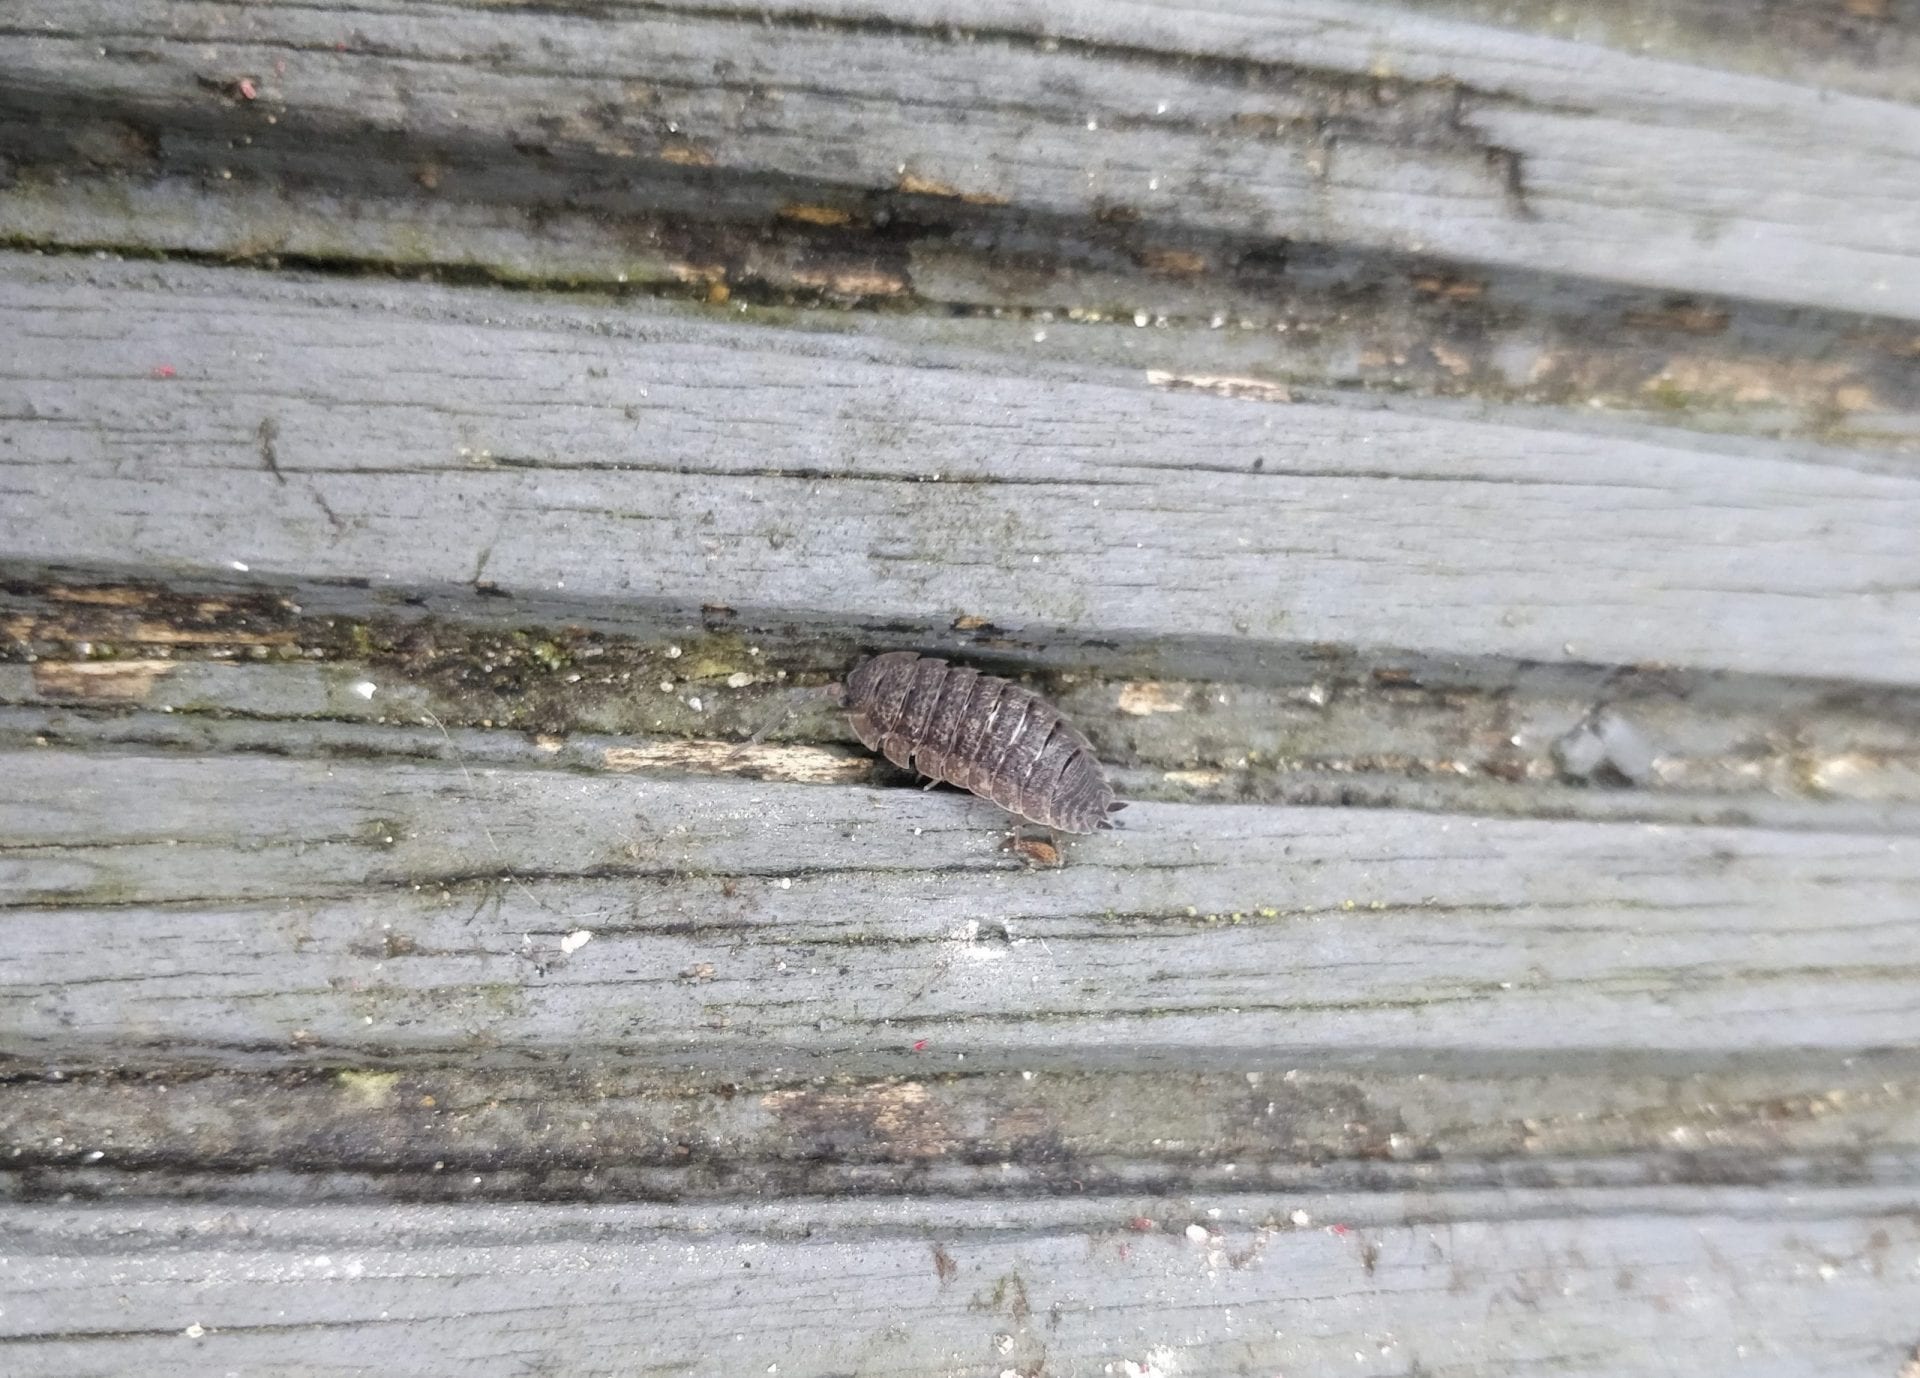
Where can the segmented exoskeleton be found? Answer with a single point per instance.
(982, 733)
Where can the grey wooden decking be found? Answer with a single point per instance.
(1460, 464)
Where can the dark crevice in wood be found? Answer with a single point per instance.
(1279, 724)
(709, 231)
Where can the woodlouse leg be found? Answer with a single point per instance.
(788, 705)
(1036, 853)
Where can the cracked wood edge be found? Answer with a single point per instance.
(631, 455)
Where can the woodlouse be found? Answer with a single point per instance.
(982, 733)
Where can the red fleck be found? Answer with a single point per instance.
(246, 88)
(1140, 1224)
(163, 371)
(920, 1046)
(1342, 1230)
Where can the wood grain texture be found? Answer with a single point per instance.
(1361, 124)
(1458, 463)
(640, 457)
(931, 1126)
(1255, 315)
(1372, 1285)
(1866, 47)
(362, 153)
(449, 140)
(298, 909)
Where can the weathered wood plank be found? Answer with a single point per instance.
(1219, 307)
(1868, 47)
(1520, 1283)
(157, 906)
(1243, 1089)
(1359, 124)
(1857, 793)
(147, 666)
(928, 1126)
(189, 166)
(649, 457)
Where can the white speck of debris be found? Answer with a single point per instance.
(365, 688)
(1026, 1076)
(786, 883)
(1141, 318)
(96, 1155)
(1161, 1362)
(1198, 1233)
(575, 940)
(673, 653)
(694, 703)
(1039, 336)
(237, 564)
(739, 679)
(194, 1331)
(1301, 1218)
(666, 686)
(1093, 124)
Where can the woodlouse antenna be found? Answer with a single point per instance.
(789, 704)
